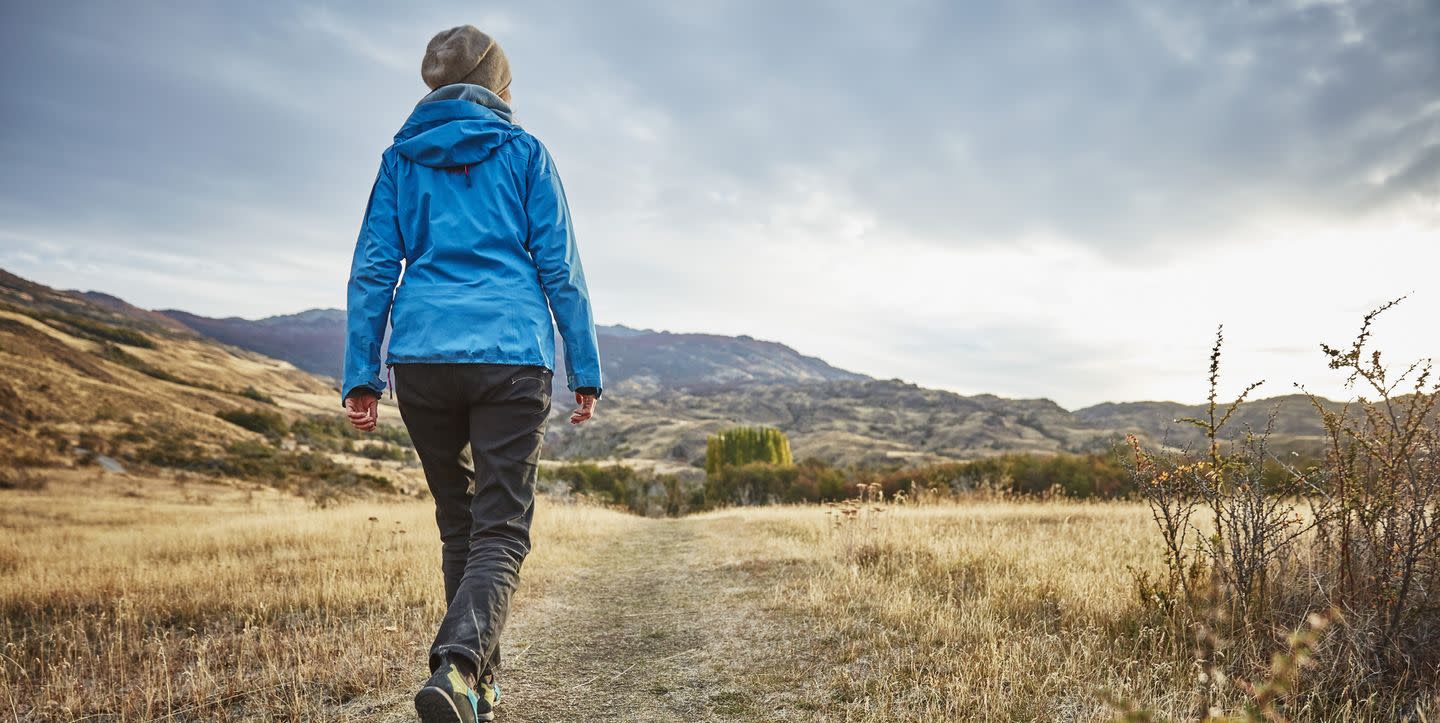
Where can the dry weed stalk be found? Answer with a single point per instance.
(854, 520)
(1381, 530)
(1363, 551)
(1252, 524)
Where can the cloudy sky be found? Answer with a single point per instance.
(1023, 198)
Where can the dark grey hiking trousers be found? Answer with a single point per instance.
(498, 412)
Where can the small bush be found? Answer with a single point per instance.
(106, 412)
(270, 424)
(332, 432)
(306, 473)
(612, 483)
(624, 487)
(257, 395)
(115, 354)
(753, 483)
(22, 478)
(1073, 475)
(383, 451)
(816, 481)
(98, 331)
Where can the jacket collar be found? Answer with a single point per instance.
(474, 93)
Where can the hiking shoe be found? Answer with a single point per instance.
(490, 690)
(448, 698)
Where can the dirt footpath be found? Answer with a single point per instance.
(660, 624)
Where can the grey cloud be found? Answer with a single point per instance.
(1097, 122)
(1118, 125)
(245, 136)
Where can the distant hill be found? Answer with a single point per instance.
(21, 295)
(86, 374)
(131, 312)
(637, 361)
(846, 422)
(313, 340)
(1297, 425)
(665, 391)
(72, 363)
(645, 362)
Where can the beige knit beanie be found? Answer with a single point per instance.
(465, 55)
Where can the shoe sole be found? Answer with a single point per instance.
(436, 706)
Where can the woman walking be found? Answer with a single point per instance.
(471, 206)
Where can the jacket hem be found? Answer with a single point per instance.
(467, 359)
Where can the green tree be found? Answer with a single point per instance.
(268, 423)
(753, 483)
(744, 445)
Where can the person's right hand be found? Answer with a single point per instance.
(586, 409)
(363, 410)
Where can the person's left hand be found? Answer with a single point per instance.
(363, 410)
(586, 409)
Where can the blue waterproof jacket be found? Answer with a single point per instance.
(473, 207)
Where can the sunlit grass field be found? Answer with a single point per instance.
(140, 605)
(983, 611)
(152, 601)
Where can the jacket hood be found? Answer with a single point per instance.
(456, 125)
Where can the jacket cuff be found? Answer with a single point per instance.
(576, 382)
(363, 387)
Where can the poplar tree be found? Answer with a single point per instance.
(743, 445)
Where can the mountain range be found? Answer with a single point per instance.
(665, 392)
(637, 361)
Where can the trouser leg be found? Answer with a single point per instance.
(437, 415)
(506, 422)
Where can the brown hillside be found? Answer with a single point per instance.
(79, 379)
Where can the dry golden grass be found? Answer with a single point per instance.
(139, 603)
(996, 610)
(142, 605)
(58, 385)
(990, 611)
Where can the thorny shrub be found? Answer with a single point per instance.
(1340, 564)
